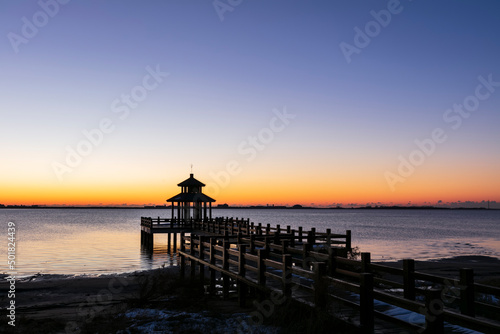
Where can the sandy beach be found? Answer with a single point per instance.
(117, 303)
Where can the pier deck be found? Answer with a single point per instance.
(314, 268)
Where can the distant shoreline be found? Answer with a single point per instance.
(381, 207)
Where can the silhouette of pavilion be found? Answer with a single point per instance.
(191, 199)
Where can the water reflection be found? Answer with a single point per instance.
(87, 241)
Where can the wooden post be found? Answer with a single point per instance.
(332, 253)
(366, 303)
(266, 246)
(300, 233)
(348, 240)
(312, 235)
(252, 243)
(259, 229)
(287, 274)
(306, 248)
(169, 242)
(467, 292)
(201, 257)
(241, 260)
(292, 238)
(242, 287)
(284, 245)
(319, 285)
(268, 229)
(193, 262)
(365, 263)
(434, 312)
(261, 267)
(212, 261)
(225, 266)
(182, 259)
(175, 241)
(276, 237)
(409, 278)
(288, 229)
(328, 237)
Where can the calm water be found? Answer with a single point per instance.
(89, 241)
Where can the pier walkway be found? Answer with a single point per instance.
(318, 269)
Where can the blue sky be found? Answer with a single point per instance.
(352, 121)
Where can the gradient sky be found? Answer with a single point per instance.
(229, 74)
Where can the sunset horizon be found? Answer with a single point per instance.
(250, 166)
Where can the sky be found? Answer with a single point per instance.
(319, 103)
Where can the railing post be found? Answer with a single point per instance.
(348, 240)
(434, 312)
(261, 267)
(192, 251)
(311, 236)
(329, 237)
(225, 266)
(268, 229)
(292, 238)
(212, 261)
(332, 253)
(241, 260)
(182, 259)
(365, 263)
(276, 236)
(320, 286)
(467, 292)
(306, 248)
(287, 275)
(409, 278)
(242, 287)
(300, 233)
(252, 243)
(202, 257)
(266, 245)
(284, 245)
(366, 303)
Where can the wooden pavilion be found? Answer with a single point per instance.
(191, 202)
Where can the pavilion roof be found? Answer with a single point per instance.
(191, 197)
(191, 181)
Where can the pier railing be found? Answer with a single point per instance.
(320, 275)
(255, 233)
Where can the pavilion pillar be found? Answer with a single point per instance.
(187, 210)
(210, 210)
(178, 211)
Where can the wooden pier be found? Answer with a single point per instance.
(233, 227)
(313, 268)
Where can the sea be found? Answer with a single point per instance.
(105, 241)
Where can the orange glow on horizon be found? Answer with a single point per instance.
(241, 193)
